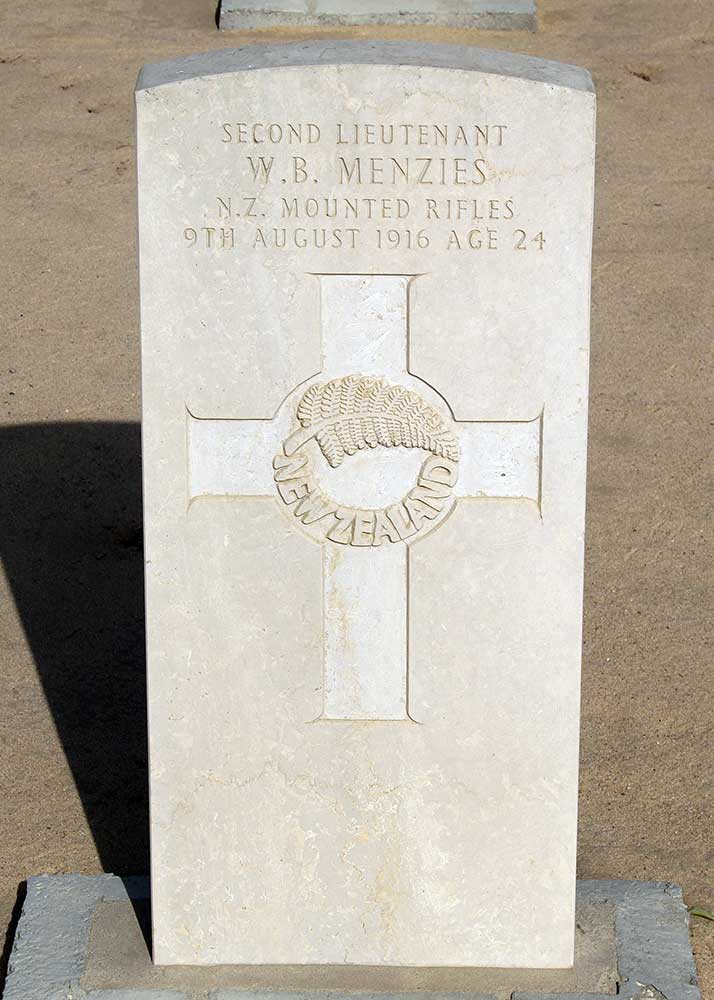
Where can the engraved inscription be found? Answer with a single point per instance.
(349, 186)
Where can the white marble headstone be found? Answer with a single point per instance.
(365, 273)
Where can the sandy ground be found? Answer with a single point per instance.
(72, 767)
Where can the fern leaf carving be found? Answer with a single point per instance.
(348, 414)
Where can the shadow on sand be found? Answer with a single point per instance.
(71, 548)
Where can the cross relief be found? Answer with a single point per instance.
(365, 458)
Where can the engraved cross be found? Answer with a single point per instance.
(366, 551)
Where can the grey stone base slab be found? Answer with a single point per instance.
(491, 14)
(85, 938)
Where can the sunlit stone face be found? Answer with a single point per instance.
(365, 291)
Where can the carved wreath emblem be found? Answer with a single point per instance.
(347, 415)
(355, 412)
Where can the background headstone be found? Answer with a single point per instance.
(497, 14)
(365, 281)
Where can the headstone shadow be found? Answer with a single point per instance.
(71, 548)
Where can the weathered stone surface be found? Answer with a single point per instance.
(497, 14)
(365, 296)
(118, 956)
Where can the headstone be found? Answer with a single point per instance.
(365, 273)
(483, 14)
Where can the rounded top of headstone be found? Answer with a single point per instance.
(319, 53)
